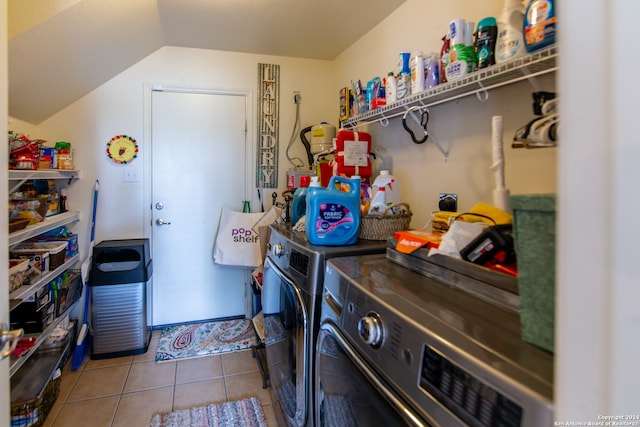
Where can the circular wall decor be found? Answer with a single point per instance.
(122, 149)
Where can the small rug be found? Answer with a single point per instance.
(242, 413)
(205, 339)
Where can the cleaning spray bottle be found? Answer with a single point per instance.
(389, 183)
(510, 43)
(333, 215)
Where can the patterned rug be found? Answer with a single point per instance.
(205, 339)
(242, 413)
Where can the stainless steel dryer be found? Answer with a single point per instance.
(397, 348)
(291, 292)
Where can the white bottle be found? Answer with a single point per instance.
(417, 72)
(510, 41)
(390, 88)
(378, 202)
(390, 184)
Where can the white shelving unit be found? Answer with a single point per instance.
(478, 83)
(16, 179)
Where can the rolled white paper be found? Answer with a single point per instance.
(500, 194)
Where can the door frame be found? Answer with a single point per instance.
(146, 147)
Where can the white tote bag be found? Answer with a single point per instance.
(237, 244)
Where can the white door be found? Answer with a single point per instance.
(199, 164)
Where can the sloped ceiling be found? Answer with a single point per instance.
(60, 50)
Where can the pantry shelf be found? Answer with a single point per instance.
(477, 83)
(42, 227)
(23, 175)
(17, 362)
(24, 292)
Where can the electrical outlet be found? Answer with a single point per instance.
(297, 97)
(131, 174)
(448, 202)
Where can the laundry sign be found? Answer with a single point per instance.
(268, 121)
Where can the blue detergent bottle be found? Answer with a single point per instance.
(539, 27)
(333, 214)
(299, 207)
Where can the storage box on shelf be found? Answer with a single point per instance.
(17, 271)
(46, 256)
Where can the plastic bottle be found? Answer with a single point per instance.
(379, 97)
(417, 72)
(391, 88)
(62, 202)
(444, 57)
(461, 59)
(539, 24)
(333, 216)
(379, 202)
(390, 184)
(472, 58)
(485, 44)
(510, 43)
(404, 77)
(300, 200)
(432, 65)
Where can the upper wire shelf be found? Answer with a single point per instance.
(531, 65)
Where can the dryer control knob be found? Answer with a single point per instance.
(278, 250)
(371, 330)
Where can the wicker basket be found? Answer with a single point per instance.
(382, 226)
(34, 412)
(18, 224)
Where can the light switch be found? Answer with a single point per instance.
(131, 174)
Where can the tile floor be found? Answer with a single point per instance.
(126, 391)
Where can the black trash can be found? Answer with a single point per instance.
(119, 283)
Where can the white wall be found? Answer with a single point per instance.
(462, 127)
(117, 108)
(597, 371)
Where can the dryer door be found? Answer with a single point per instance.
(348, 392)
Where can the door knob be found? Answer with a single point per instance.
(11, 337)
(161, 221)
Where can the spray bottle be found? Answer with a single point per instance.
(510, 43)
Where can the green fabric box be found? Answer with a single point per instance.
(534, 225)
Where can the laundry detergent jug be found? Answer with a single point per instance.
(333, 214)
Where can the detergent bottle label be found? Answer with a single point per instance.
(334, 219)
